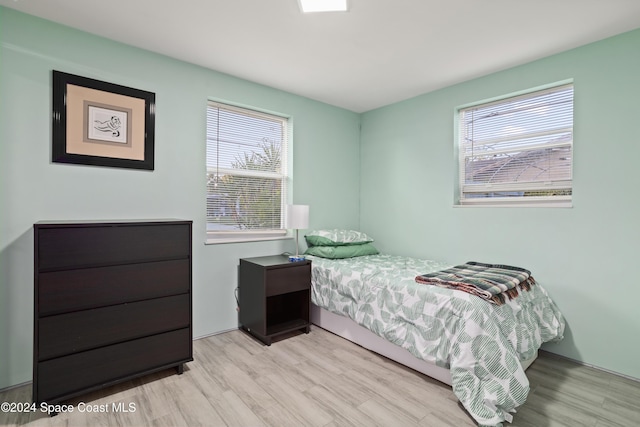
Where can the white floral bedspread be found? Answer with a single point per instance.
(481, 343)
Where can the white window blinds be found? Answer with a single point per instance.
(246, 170)
(518, 149)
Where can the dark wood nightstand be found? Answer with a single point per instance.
(274, 296)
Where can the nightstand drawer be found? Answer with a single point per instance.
(290, 279)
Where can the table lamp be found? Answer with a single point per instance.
(297, 217)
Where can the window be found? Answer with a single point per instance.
(517, 150)
(246, 173)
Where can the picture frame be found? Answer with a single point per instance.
(98, 123)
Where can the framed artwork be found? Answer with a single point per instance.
(102, 124)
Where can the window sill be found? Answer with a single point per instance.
(563, 205)
(244, 239)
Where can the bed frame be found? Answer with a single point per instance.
(348, 329)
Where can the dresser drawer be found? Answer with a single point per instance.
(64, 376)
(287, 279)
(87, 246)
(72, 290)
(83, 330)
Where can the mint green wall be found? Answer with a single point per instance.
(584, 256)
(32, 188)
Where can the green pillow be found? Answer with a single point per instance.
(342, 251)
(336, 237)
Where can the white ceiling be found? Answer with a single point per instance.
(377, 53)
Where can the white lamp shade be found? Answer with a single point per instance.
(297, 216)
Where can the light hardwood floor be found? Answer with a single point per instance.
(320, 379)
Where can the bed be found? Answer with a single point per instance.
(479, 348)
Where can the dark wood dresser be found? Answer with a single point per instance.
(112, 301)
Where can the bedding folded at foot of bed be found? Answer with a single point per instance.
(492, 282)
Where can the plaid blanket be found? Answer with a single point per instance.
(491, 282)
